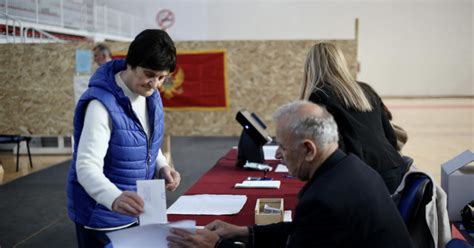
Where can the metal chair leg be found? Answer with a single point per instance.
(29, 153)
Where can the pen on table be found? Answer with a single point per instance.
(265, 178)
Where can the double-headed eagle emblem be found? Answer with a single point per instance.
(173, 84)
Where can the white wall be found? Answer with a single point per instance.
(406, 47)
(417, 48)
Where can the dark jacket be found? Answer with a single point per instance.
(343, 205)
(130, 156)
(368, 135)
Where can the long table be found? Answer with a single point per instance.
(221, 180)
(224, 175)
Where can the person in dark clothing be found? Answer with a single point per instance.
(364, 128)
(343, 204)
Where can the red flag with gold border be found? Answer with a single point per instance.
(199, 81)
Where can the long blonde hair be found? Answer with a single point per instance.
(325, 65)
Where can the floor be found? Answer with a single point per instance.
(40, 162)
(438, 129)
(35, 213)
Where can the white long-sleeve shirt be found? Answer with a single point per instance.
(94, 143)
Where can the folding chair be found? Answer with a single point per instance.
(17, 139)
(457, 243)
(416, 194)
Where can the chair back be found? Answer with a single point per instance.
(407, 163)
(416, 194)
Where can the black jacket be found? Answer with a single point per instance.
(344, 205)
(368, 135)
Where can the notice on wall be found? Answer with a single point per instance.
(83, 61)
(81, 84)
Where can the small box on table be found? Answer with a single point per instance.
(269, 210)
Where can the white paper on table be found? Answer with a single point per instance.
(287, 216)
(148, 236)
(257, 166)
(281, 168)
(208, 204)
(154, 195)
(269, 152)
(270, 184)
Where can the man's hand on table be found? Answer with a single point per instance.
(203, 238)
(229, 231)
(213, 233)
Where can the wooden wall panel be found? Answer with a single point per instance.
(36, 84)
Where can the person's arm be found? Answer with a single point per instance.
(271, 235)
(202, 238)
(217, 234)
(163, 170)
(92, 148)
(229, 231)
(161, 160)
(320, 227)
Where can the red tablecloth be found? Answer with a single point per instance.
(221, 180)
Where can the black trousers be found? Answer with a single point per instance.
(87, 238)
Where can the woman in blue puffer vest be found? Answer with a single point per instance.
(118, 129)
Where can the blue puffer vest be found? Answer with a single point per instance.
(130, 155)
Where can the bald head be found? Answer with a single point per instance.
(306, 120)
(306, 135)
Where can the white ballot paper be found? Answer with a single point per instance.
(269, 152)
(281, 168)
(153, 193)
(287, 216)
(266, 184)
(148, 236)
(208, 204)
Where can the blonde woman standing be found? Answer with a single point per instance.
(363, 125)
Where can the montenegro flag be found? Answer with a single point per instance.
(199, 81)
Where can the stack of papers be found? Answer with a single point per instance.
(269, 152)
(281, 168)
(259, 184)
(208, 204)
(153, 235)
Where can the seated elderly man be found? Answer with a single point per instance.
(344, 203)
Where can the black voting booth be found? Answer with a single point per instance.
(252, 139)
